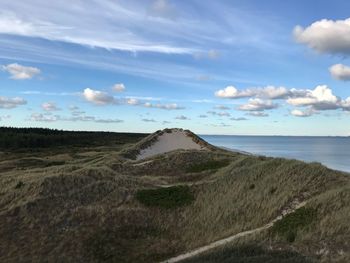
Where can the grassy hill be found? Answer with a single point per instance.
(92, 204)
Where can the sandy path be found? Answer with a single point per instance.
(294, 206)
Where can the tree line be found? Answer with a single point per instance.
(13, 138)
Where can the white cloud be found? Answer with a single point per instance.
(258, 114)
(321, 98)
(258, 105)
(182, 117)
(18, 71)
(9, 103)
(49, 106)
(271, 92)
(133, 101)
(98, 97)
(268, 92)
(120, 87)
(107, 120)
(203, 116)
(340, 72)
(145, 98)
(76, 118)
(43, 117)
(171, 106)
(326, 36)
(230, 92)
(300, 113)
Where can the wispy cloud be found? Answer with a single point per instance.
(14, 22)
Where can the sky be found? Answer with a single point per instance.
(215, 67)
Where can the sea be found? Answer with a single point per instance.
(333, 152)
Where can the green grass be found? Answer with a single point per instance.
(170, 197)
(210, 165)
(290, 224)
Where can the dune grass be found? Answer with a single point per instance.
(249, 254)
(290, 224)
(209, 165)
(169, 197)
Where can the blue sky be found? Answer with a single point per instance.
(215, 67)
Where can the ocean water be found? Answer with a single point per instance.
(333, 152)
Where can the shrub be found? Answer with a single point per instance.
(169, 197)
(289, 225)
(19, 185)
(272, 190)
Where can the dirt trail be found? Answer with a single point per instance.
(294, 206)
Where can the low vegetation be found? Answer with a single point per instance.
(210, 165)
(168, 197)
(250, 254)
(290, 224)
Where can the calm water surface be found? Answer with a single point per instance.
(334, 152)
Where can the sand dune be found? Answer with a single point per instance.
(170, 141)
